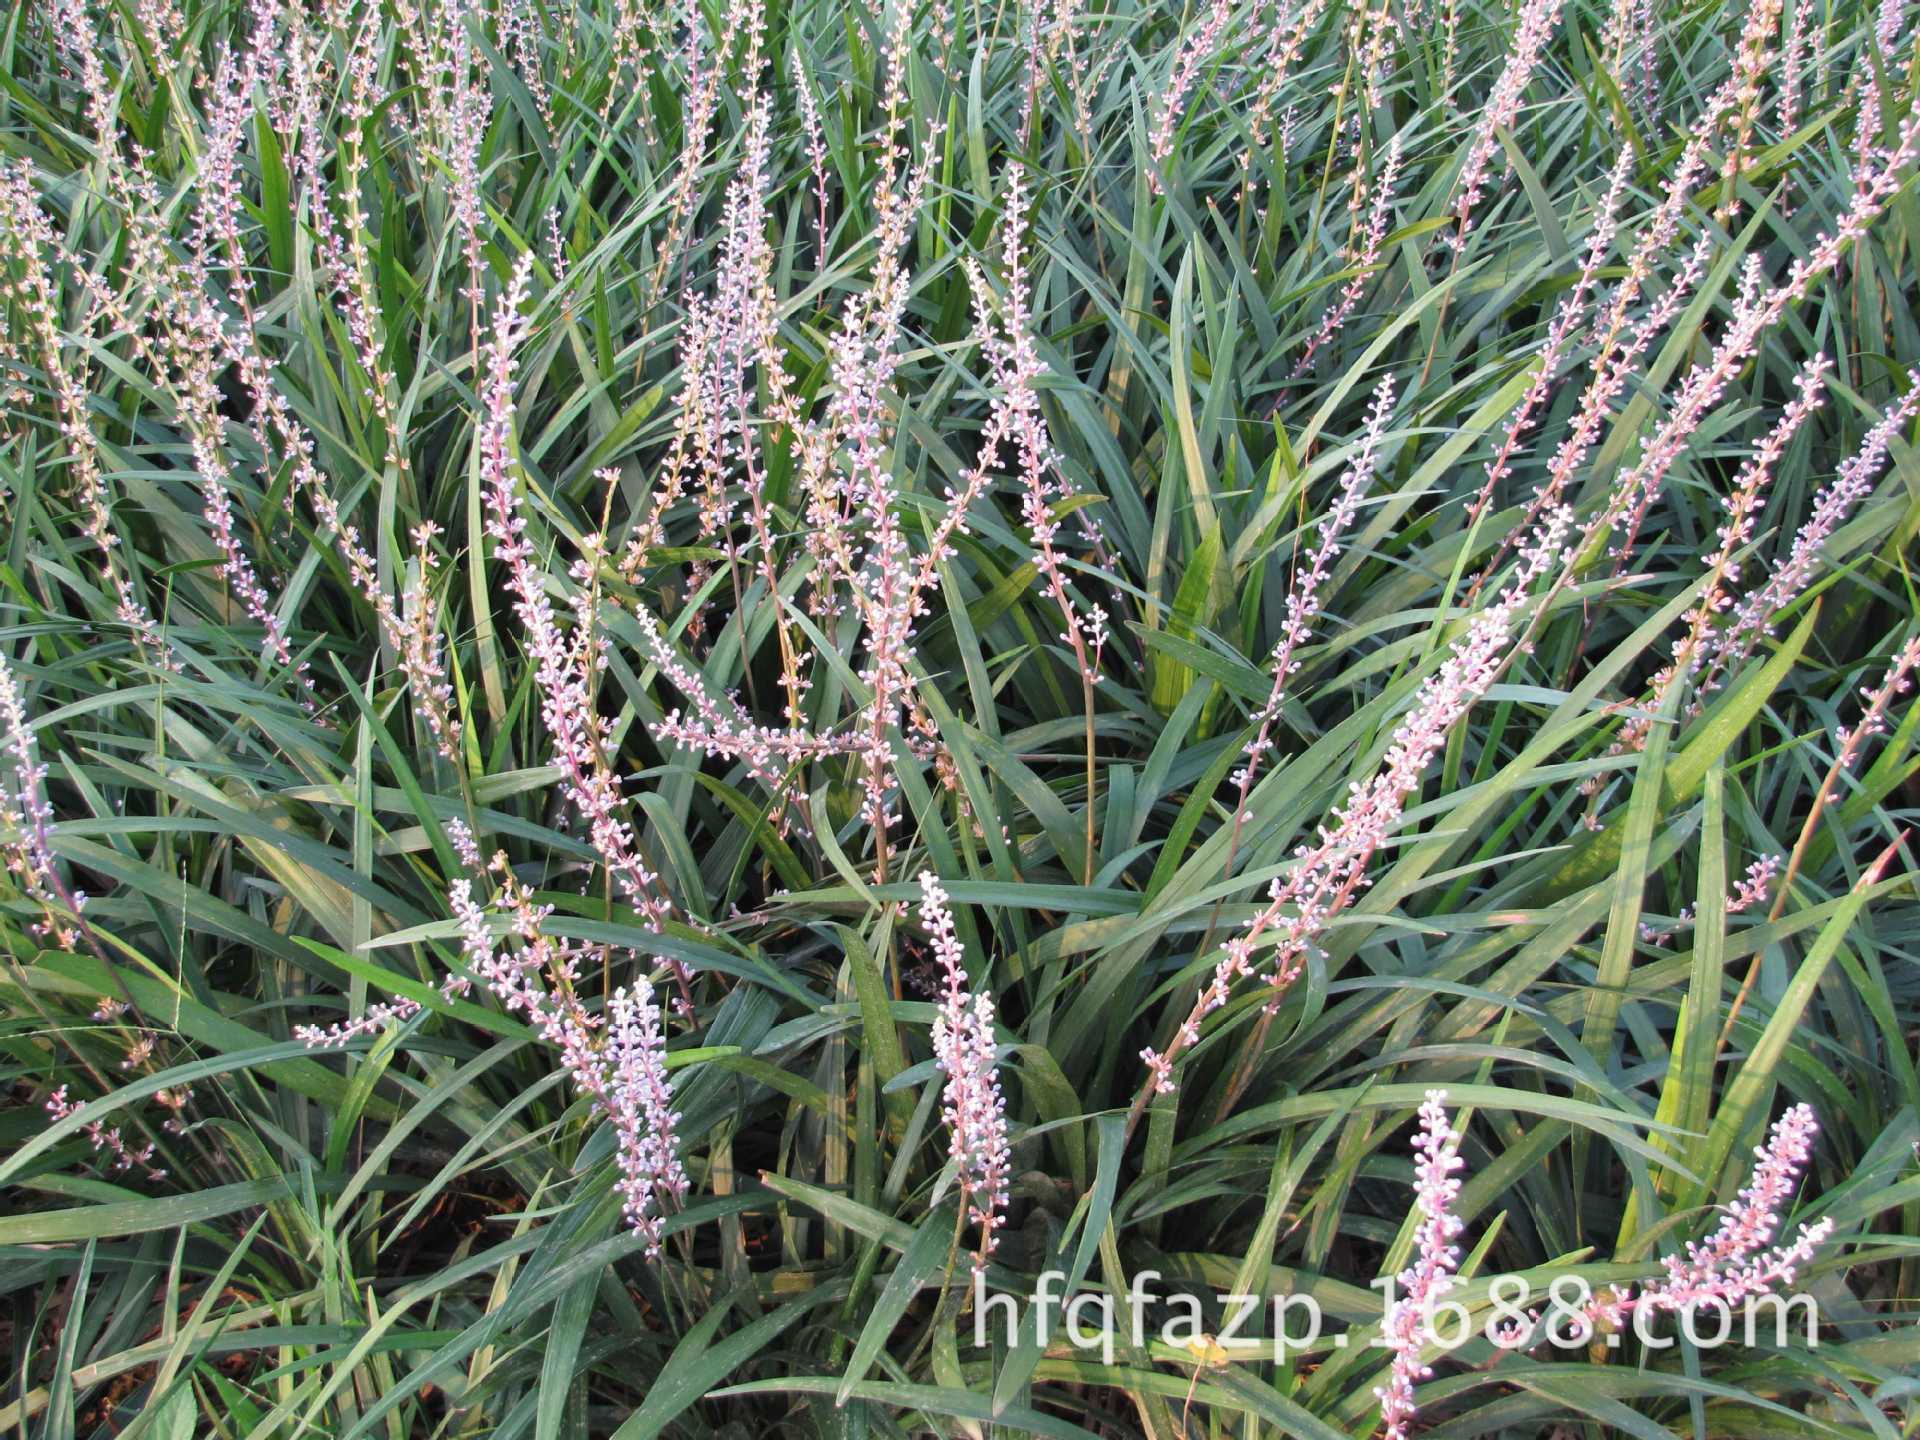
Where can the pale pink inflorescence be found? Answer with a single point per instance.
(1304, 599)
(1363, 250)
(1739, 1260)
(564, 664)
(1327, 876)
(1736, 1263)
(26, 820)
(1532, 31)
(1282, 37)
(30, 242)
(1757, 309)
(1752, 620)
(1195, 50)
(615, 1058)
(1742, 507)
(1873, 720)
(1568, 317)
(816, 154)
(1425, 1282)
(108, 1140)
(639, 1100)
(1747, 893)
(971, 1103)
(1016, 417)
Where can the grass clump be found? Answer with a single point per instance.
(702, 702)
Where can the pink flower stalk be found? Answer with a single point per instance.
(521, 40)
(468, 109)
(705, 73)
(343, 242)
(621, 1071)
(1630, 33)
(639, 1100)
(1750, 484)
(1874, 720)
(30, 243)
(1017, 368)
(632, 56)
(617, 1060)
(107, 1140)
(1195, 50)
(1371, 36)
(164, 24)
(1748, 892)
(1423, 1284)
(1742, 508)
(862, 563)
(375, 1018)
(26, 839)
(1304, 599)
(816, 155)
(1753, 618)
(1751, 62)
(1793, 60)
(1015, 415)
(197, 338)
(1363, 250)
(1753, 315)
(562, 667)
(1326, 877)
(1888, 23)
(1738, 1261)
(1282, 41)
(972, 1104)
(1532, 31)
(844, 458)
(719, 728)
(1622, 342)
(1568, 317)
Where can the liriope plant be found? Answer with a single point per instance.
(696, 700)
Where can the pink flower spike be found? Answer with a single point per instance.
(1424, 1283)
(972, 1104)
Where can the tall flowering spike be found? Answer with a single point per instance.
(1363, 250)
(1531, 33)
(1281, 42)
(26, 237)
(1758, 308)
(971, 1104)
(1753, 618)
(1753, 59)
(1305, 599)
(1194, 52)
(1747, 892)
(1425, 1282)
(616, 1060)
(1326, 877)
(1568, 317)
(25, 819)
(1873, 721)
(640, 1102)
(816, 154)
(560, 666)
(1739, 1260)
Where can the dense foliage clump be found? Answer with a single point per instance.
(752, 719)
